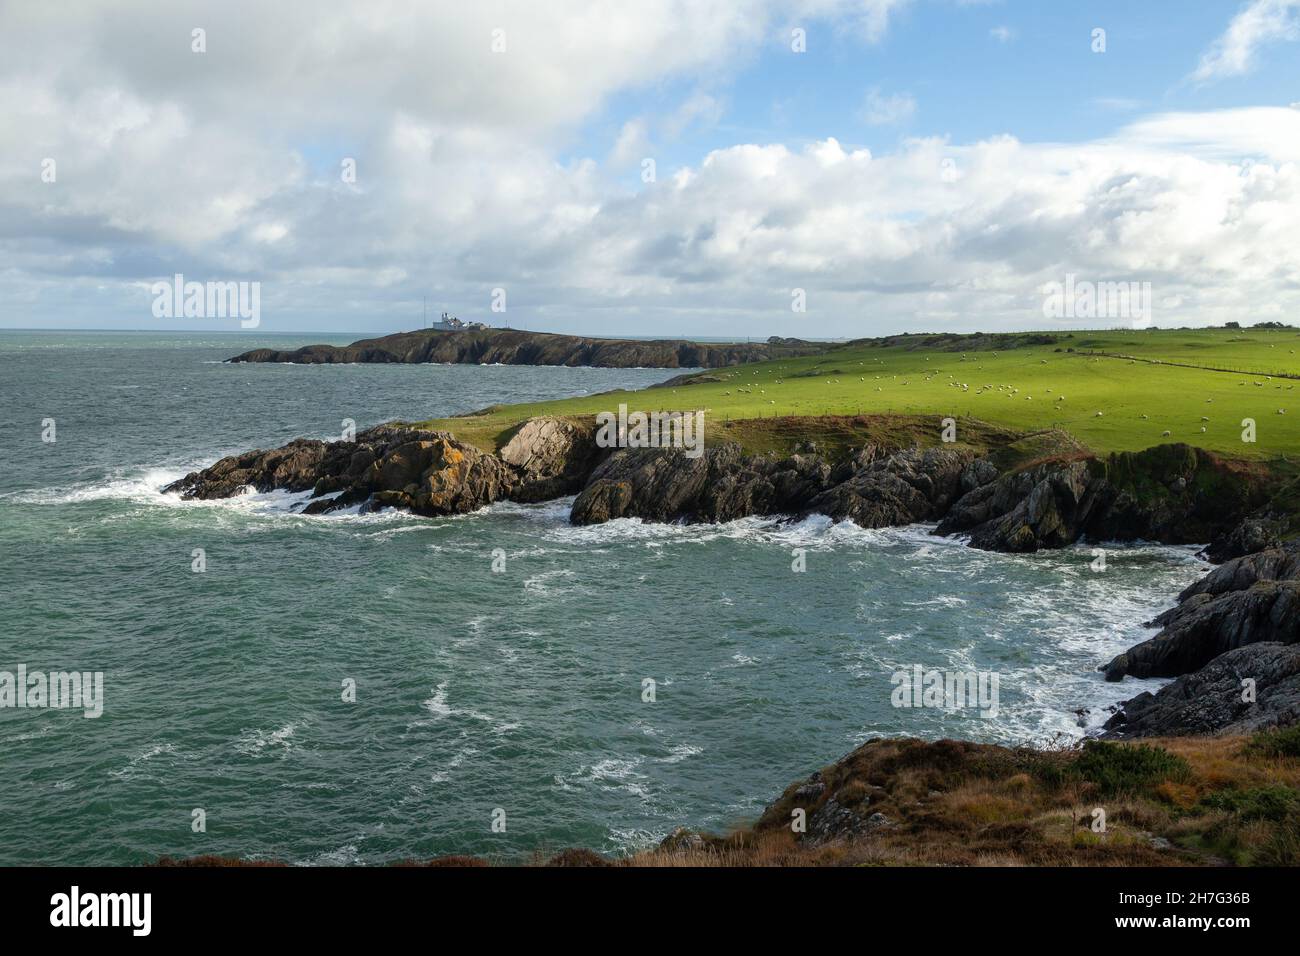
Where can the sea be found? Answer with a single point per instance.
(372, 688)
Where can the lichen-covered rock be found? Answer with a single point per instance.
(300, 465)
(429, 472)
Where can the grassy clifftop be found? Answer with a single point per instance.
(1150, 387)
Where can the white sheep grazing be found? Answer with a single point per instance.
(1165, 433)
(1099, 414)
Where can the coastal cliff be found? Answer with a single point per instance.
(517, 347)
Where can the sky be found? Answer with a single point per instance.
(818, 168)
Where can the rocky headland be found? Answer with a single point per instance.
(517, 347)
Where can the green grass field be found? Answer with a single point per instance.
(1150, 387)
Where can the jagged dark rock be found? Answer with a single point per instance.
(901, 488)
(1043, 507)
(1175, 494)
(298, 466)
(1276, 521)
(1250, 536)
(1248, 600)
(518, 347)
(1213, 700)
(428, 472)
(721, 484)
(1280, 563)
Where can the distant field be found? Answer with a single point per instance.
(1003, 381)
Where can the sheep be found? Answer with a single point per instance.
(1165, 433)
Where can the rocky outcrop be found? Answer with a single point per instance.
(1042, 507)
(1276, 521)
(721, 484)
(901, 488)
(1279, 563)
(1174, 494)
(517, 347)
(1204, 627)
(297, 466)
(1216, 700)
(552, 457)
(428, 472)
(1240, 621)
(872, 489)
(1249, 600)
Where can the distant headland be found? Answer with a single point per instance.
(480, 345)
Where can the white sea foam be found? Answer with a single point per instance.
(138, 764)
(441, 710)
(258, 743)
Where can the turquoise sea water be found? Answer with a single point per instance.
(519, 690)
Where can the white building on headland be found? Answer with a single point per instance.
(449, 323)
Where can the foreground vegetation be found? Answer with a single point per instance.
(1150, 387)
(1182, 801)
(1177, 802)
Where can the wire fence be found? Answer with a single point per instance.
(1282, 373)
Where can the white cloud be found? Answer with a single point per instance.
(1260, 23)
(880, 109)
(226, 164)
(632, 145)
(1002, 34)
